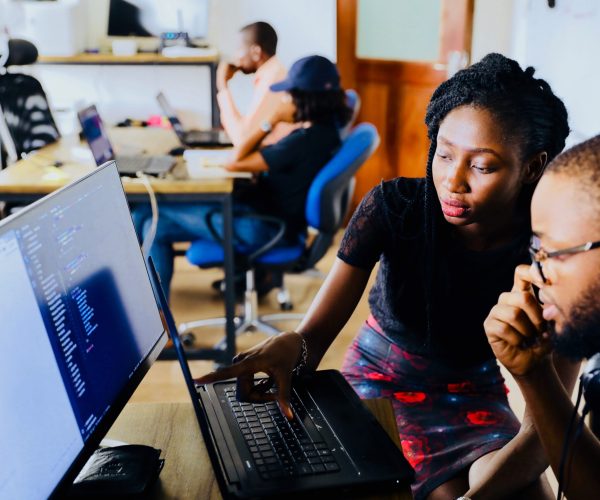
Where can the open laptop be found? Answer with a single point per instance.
(192, 138)
(95, 134)
(334, 446)
(80, 328)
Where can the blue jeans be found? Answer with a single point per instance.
(187, 222)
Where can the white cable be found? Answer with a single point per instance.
(149, 237)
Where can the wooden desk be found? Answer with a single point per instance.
(30, 179)
(210, 59)
(36, 176)
(188, 472)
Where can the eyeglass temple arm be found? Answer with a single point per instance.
(590, 245)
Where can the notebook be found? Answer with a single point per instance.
(334, 446)
(192, 138)
(80, 328)
(95, 134)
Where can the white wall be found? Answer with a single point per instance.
(492, 28)
(304, 27)
(562, 45)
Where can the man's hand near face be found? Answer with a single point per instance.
(516, 329)
(225, 72)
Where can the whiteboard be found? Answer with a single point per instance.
(563, 45)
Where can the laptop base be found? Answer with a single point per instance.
(351, 453)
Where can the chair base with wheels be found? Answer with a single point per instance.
(249, 322)
(207, 254)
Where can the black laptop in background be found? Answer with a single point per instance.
(333, 446)
(96, 135)
(192, 138)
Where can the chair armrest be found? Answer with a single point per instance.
(278, 223)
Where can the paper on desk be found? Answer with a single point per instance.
(52, 173)
(210, 163)
(207, 157)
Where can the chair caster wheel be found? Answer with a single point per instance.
(188, 339)
(286, 306)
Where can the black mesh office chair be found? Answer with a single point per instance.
(26, 123)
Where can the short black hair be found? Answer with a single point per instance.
(581, 163)
(526, 109)
(327, 107)
(263, 35)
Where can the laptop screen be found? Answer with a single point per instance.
(80, 326)
(95, 134)
(171, 115)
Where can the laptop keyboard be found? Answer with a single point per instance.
(145, 163)
(282, 448)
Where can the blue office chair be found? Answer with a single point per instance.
(27, 123)
(353, 102)
(326, 207)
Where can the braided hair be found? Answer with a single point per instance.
(524, 106)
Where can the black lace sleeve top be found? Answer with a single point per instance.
(388, 227)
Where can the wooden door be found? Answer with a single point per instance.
(395, 93)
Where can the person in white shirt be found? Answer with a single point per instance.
(255, 55)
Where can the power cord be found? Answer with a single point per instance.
(589, 387)
(149, 237)
(568, 445)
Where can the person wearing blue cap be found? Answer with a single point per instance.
(315, 101)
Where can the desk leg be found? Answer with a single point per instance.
(230, 348)
(214, 104)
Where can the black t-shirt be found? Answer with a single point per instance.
(293, 163)
(388, 226)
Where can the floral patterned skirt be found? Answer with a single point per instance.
(447, 418)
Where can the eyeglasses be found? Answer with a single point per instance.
(539, 255)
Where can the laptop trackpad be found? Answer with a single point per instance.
(365, 441)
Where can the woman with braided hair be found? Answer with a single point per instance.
(447, 246)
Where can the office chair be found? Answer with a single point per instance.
(327, 204)
(353, 102)
(26, 123)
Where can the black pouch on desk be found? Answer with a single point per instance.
(127, 471)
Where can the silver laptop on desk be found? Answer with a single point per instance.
(95, 134)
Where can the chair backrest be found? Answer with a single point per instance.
(24, 108)
(331, 191)
(16, 52)
(323, 207)
(353, 102)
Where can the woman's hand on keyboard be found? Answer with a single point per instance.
(277, 357)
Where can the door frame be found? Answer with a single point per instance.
(456, 29)
(405, 87)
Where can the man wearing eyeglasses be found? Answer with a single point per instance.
(555, 306)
